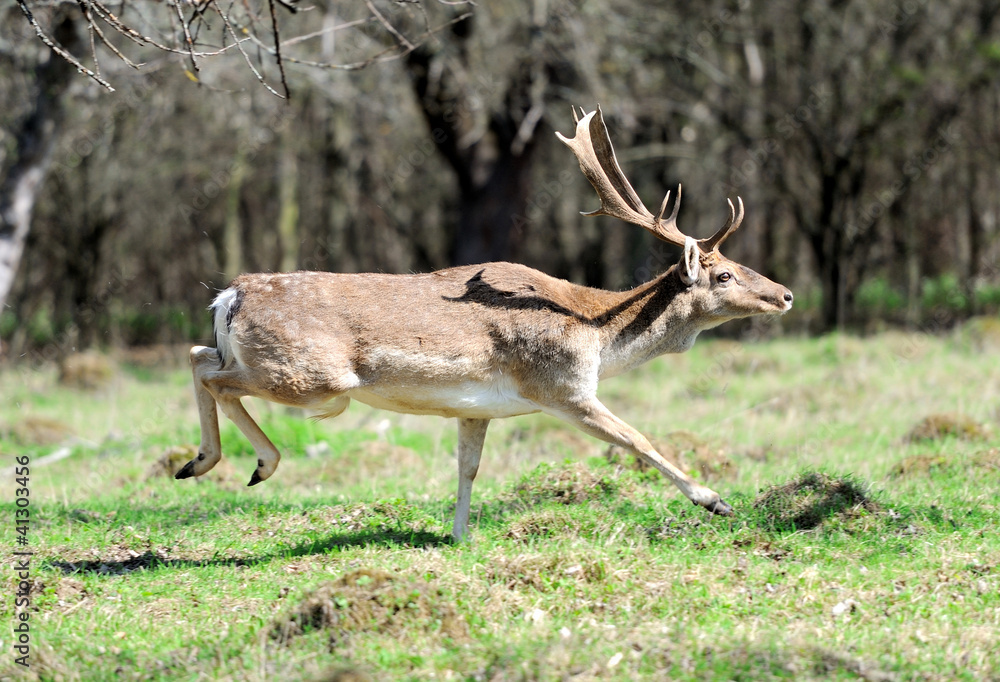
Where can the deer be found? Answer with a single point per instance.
(473, 342)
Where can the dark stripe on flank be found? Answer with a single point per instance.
(234, 308)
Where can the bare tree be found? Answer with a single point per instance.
(194, 35)
(34, 139)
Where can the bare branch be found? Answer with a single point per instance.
(410, 47)
(246, 57)
(242, 21)
(94, 27)
(317, 34)
(59, 50)
(140, 39)
(375, 58)
(187, 36)
(277, 49)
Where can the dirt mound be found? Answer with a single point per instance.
(372, 601)
(811, 499)
(88, 371)
(33, 430)
(156, 356)
(930, 464)
(918, 464)
(543, 524)
(572, 483)
(987, 459)
(939, 426)
(982, 333)
(115, 559)
(684, 450)
(174, 458)
(345, 675)
(64, 592)
(543, 572)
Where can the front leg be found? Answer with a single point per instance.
(471, 435)
(594, 418)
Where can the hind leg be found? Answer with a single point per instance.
(224, 387)
(204, 360)
(267, 455)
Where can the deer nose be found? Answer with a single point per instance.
(788, 297)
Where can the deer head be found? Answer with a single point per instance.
(721, 289)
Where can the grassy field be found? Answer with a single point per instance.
(865, 475)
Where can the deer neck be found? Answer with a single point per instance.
(654, 318)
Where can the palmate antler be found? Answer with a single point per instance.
(593, 150)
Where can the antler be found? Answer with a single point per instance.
(712, 243)
(593, 150)
(592, 146)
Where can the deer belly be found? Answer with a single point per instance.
(470, 399)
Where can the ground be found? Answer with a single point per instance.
(865, 474)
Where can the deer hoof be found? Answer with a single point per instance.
(186, 472)
(255, 479)
(720, 507)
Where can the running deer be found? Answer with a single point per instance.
(475, 342)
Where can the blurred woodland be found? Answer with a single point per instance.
(863, 137)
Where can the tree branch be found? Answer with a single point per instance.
(59, 50)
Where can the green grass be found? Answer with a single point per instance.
(860, 550)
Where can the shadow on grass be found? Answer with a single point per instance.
(124, 561)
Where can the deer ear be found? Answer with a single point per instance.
(690, 265)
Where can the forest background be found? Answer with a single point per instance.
(386, 136)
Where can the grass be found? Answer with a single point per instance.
(865, 475)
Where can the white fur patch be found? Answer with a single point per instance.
(223, 341)
(470, 399)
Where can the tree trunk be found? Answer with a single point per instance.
(34, 145)
(493, 172)
(489, 213)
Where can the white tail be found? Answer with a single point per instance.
(476, 342)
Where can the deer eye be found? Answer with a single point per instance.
(725, 277)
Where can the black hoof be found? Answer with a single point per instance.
(720, 507)
(255, 479)
(186, 472)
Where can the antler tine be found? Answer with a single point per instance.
(593, 149)
(673, 214)
(712, 243)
